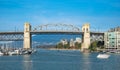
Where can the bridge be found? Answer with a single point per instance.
(87, 35)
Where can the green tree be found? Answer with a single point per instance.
(93, 46)
(100, 44)
(66, 46)
(59, 45)
(78, 45)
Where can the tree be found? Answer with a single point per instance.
(66, 46)
(78, 45)
(100, 44)
(59, 45)
(93, 46)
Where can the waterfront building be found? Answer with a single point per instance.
(72, 43)
(112, 40)
(78, 40)
(64, 41)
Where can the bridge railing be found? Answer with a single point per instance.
(10, 36)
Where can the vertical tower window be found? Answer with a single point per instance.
(86, 29)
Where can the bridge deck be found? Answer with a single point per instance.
(56, 32)
(11, 33)
(51, 32)
(17, 36)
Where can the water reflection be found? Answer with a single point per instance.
(27, 62)
(86, 61)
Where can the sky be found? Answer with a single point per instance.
(101, 14)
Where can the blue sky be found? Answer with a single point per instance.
(101, 14)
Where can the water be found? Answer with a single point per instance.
(59, 60)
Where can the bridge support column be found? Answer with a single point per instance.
(27, 36)
(86, 37)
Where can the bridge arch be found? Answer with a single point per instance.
(56, 27)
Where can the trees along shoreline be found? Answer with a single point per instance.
(67, 46)
(94, 46)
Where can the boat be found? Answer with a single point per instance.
(103, 56)
(11, 53)
(16, 52)
(1, 53)
(29, 51)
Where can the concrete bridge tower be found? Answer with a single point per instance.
(27, 36)
(86, 37)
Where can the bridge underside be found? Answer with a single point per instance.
(96, 37)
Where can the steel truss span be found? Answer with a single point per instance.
(56, 27)
(11, 37)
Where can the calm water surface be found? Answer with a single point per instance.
(59, 60)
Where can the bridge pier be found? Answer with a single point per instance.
(27, 36)
(86, 37)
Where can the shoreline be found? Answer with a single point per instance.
(64, 49)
